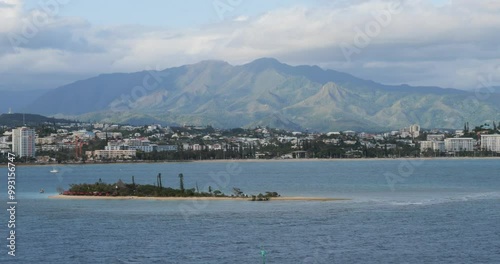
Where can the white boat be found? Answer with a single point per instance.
(54, 171)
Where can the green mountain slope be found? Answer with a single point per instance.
(263, 92)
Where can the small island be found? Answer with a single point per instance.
(121, 191)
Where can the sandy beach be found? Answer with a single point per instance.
(291, 198)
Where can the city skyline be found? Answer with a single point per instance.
(110, 142)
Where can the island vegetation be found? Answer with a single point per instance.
(121, 188)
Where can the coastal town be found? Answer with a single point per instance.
(80, 142)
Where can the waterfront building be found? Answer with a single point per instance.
(437, 146)
(161, 148)
(459, 144)
(23, 142)
(112, 154)
(490, 142)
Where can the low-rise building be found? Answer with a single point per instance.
(147, 148)
(52, 147)
(197, 147)
(332, 134)
(45, 141)
(350, 133)
(437, 146)
(435, 137)
(104, 135)
(459, 132)
(4, 139)
(166, 148)
(459, 144)
(490, 142)
(111, 154)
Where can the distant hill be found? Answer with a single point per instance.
(16, 119)
(264, 92)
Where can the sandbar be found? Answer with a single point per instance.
(291, 198)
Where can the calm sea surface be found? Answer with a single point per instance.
(432, 211)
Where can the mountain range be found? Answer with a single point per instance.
(264, 92)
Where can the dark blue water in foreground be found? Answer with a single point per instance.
(434, 211)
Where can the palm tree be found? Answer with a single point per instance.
(158, 179)
(181, 178)
(237, 192)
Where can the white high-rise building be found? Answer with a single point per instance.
(459, 144)
(23, 142)
(415, 130)
(490, 142)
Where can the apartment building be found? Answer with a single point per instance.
(490, 142)
(23, 142)
(459, 144)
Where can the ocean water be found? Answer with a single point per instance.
(400, 211)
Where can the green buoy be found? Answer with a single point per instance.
(263, 253)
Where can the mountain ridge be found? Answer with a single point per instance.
(263, 92)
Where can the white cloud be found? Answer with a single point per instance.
(420, 35)
(10, 12)
(241, 18)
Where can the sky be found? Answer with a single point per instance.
(447, 43)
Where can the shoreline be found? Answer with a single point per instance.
(291, 198)
(253, 160)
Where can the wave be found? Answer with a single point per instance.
(421, 201)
